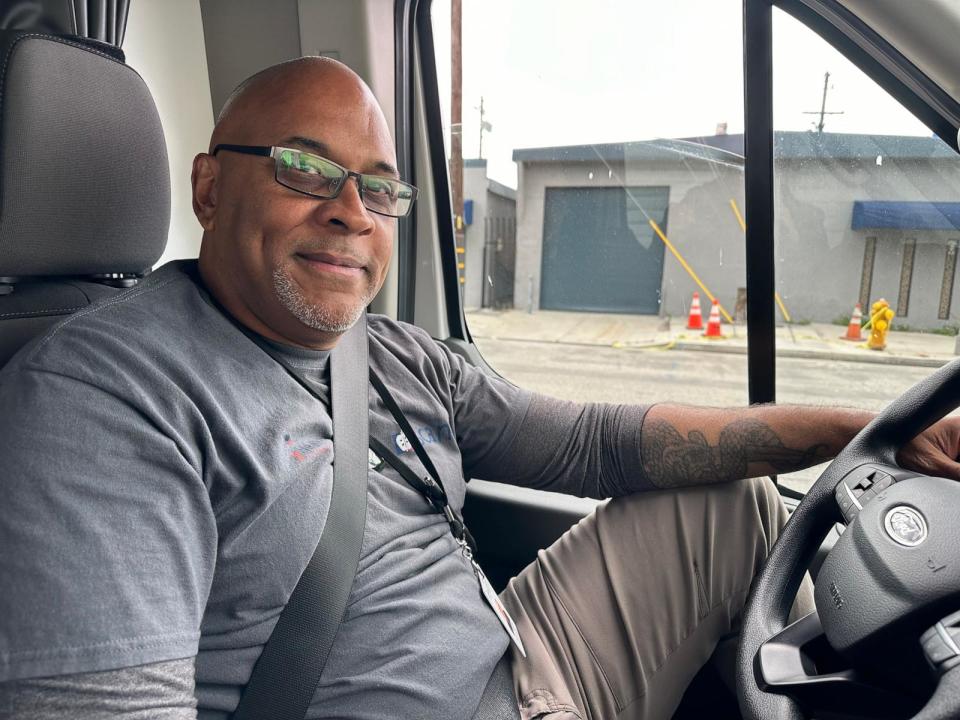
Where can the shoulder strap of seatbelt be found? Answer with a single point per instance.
(285, 677)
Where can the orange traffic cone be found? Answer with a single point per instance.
(695, 321)
(713, 323)
(853, 328)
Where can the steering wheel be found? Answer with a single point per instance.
(885, 639)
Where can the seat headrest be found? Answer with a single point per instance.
(84, 177)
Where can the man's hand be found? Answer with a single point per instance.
(934, 451)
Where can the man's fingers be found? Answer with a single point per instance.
(934, 452)
(949, 469)
(938, 465)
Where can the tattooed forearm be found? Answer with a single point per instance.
(670, 460)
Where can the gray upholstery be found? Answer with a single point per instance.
(33, 307)
(84, 178)
(499, 698)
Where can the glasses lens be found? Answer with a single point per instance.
(309, 173)
(386, 196)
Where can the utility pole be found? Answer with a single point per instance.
(456, 125)
(456, 133)
(823, 104)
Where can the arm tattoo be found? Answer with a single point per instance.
(672, 461)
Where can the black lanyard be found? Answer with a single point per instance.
(429, 485)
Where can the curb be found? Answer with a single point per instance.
(871, 359)
(652, 345)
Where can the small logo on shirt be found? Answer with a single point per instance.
(401, 443)
(305, 451)
(428, 435)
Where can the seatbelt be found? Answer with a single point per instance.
(498, 701)
(285, 676)
(429, 485)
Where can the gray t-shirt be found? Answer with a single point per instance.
(166, 481)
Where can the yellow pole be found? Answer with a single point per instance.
(743, 226)
(783, 308)
(869, 322)
(736, 211)
(690, 272)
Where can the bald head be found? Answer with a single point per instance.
(259, 98)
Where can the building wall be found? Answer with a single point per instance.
(819, 257)
(474, 188)
(700, 223)
(500, 206)
(486, 204)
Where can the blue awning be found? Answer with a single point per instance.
(905, 215)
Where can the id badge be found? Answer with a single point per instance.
(490, 595)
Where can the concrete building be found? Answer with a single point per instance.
(490, 208)
(858, 217)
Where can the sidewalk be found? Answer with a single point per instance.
(816, 340)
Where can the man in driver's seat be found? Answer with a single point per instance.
(165, 480)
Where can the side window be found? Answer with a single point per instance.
(867, 223)
(602, 188)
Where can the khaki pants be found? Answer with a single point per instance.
(621, 612)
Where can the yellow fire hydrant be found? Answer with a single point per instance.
(880, 317)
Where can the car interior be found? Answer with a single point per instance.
(94, 194)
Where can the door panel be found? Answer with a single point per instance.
(599, 251)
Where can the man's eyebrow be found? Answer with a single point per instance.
(322, 149)
(387, 168)
(314, 145)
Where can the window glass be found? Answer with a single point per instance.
(602, 183)
(867, 218)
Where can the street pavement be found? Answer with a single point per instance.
(637, 359)
(816, 340)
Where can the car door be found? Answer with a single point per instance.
(784, 166)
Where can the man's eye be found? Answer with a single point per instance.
(311, 167)
(380, 187)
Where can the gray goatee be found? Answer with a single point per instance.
(319, 317)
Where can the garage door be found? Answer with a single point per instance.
(599, 252)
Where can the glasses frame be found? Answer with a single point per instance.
(273, 151)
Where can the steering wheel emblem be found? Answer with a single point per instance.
(905, 526)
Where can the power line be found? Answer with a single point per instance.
(484, 127)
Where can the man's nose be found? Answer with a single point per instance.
(347, 209)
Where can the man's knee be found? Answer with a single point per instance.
(772, 515)
(771, 512)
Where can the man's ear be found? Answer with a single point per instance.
(204, 178)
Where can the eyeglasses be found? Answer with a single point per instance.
(321, 178)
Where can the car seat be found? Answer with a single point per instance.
(84, 180)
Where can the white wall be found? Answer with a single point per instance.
(164, 43)
(358, 33)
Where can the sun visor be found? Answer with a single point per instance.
(84, 176)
